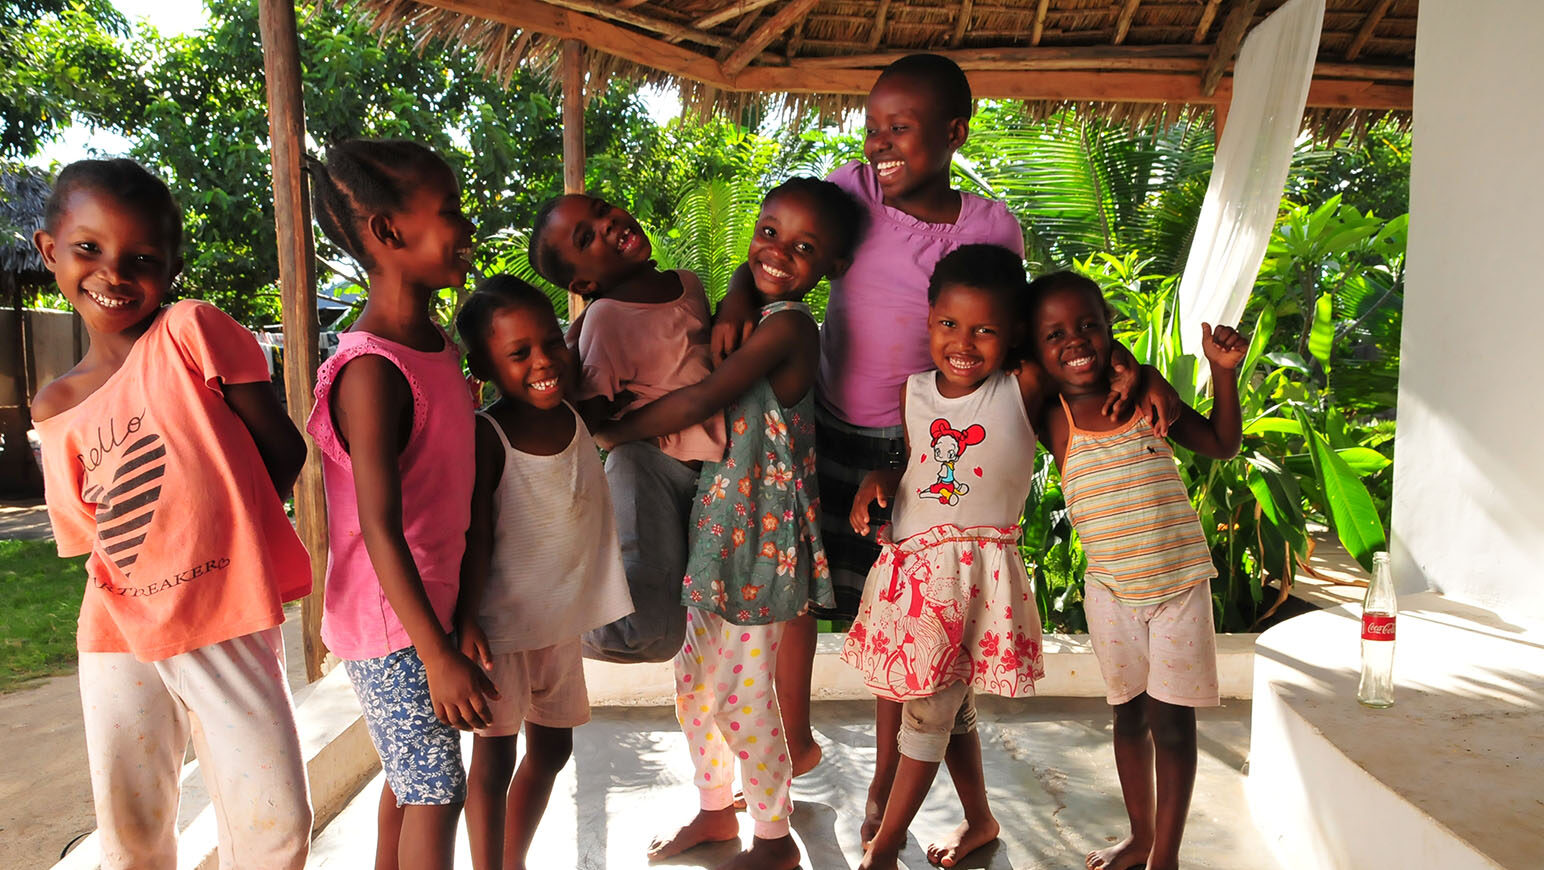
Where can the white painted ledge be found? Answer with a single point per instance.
(1070, 672)
(1450, 777)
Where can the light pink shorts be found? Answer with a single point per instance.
(1168, 650)
(544, 686)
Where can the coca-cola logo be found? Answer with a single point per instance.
(1377, 626)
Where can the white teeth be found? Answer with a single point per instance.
(464, 254)
(1080, 362)
(544, 386)
(774, 271)
(885, 167)
(107, 301)
(961, 362)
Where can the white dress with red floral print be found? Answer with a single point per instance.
(949, 598)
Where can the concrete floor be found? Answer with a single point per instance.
(1049, 771)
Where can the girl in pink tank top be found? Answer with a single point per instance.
(393, 420)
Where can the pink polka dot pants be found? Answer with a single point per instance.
(728, 710)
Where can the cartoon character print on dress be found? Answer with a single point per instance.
(949, 445)
(126, 502)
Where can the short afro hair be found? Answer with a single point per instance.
(124, 181)
(839, 210)
(950, 86)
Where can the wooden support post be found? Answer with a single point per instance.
(297, 285)
(573, 135)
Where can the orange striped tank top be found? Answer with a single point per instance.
(1131, 511)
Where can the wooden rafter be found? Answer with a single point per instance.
(769, 30)
(961, 22)
(877, 32)
(1039, 29)
(730, 11)
(1204, 26)
(1374, 18)
(1228, 40)
(1123, 24)
(615, 12)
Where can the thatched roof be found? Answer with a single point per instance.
(23, 192)
(1126, 59)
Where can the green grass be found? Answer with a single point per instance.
(39, 601)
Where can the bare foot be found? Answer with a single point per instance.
(708, 826)
(779, 854)
(873, 860)
(1126, 854)
(963, 840)
(804, 756)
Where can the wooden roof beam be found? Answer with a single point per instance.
(961, 22)
(730, 11)
(615, 12)
(771, 29)
(1079, 86)
(1228, 40)
(600, 35)
(1204, 26)
(1123, 24)
(1039, 27)
(1364, 34)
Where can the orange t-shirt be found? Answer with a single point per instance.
(158, 479)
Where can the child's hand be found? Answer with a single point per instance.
(876, 486)
(1159, 404)
(459, 690)
(1125, 381)
(1224, 347)
(606, 437)
(474, 643)
(728, 335)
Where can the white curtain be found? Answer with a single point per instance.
(1270, 89)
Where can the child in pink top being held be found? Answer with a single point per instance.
(643, 333)
(165, 452)
(393, 420)
(1148, 588)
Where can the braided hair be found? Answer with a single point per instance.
(361, 177)
(838, 210)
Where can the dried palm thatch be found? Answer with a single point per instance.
(1129, 60)
(23, 193)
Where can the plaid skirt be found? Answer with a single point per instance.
(844, 453)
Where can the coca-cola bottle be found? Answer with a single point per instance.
(1378, 612)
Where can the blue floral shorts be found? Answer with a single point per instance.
(420, 754)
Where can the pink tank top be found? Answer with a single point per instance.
(437, 467)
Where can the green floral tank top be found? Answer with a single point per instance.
(756, 556)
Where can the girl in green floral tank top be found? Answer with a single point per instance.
(756, 560)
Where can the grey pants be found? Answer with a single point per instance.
(651, 494)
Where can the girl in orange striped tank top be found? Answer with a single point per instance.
(1147, 594)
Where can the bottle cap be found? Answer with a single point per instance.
(1380, 558)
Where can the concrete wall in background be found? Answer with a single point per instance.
(1468, 510)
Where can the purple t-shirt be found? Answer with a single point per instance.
(875, 335)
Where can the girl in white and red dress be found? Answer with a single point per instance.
(948, 609)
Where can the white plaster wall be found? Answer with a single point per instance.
(1468, 511)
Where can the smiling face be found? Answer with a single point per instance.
(970, 332)
(1071, 332)
(791, 247)
(114, 262)
(601, 243)
(434, 239)
(907, 139)
(527, 358)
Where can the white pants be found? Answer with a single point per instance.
(232, 699)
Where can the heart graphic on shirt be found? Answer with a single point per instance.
(922, 460)
(124, 511)
(977, 470)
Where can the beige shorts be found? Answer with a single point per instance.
(544, 686)
(928, 722)
(1168, 650)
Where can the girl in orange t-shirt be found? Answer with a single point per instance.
(164, 452)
